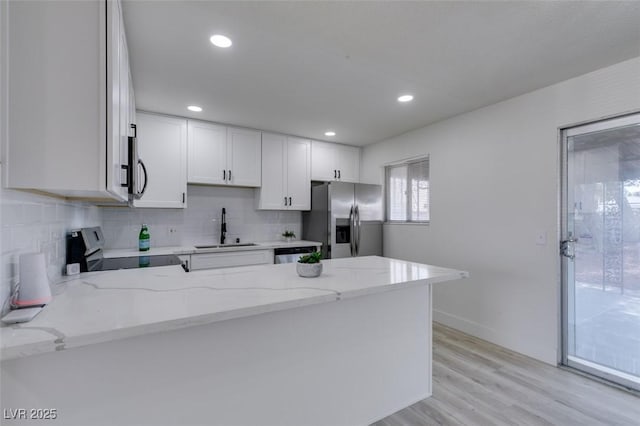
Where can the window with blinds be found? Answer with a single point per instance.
(408, 191)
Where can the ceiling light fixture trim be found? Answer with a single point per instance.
(221, 41)
(405, 98)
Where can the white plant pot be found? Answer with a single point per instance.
(309, 270)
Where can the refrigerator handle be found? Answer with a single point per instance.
(352, 225)
(356, 220)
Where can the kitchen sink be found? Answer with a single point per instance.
(226, 245)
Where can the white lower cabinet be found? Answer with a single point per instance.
(162, 146)
(286, 173)
(230, 259)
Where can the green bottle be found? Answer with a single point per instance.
(144, 239)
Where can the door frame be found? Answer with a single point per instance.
(584, 366)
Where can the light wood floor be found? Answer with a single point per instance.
(478, 383)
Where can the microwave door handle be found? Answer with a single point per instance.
(146, 179)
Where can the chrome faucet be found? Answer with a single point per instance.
(223, 226)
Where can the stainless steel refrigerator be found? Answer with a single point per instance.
(346, 218)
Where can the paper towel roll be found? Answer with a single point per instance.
(34, 286)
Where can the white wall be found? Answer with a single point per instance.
(199, 223)
(494, 186)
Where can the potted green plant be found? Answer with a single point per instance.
(309, 265)
(288, 235)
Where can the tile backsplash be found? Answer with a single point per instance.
(35, 223)
(200, 222)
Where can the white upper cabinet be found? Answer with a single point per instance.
(244, 157)
(69, 91)
(286, 173)
(220, 155)
(330, 161)
(298, 172)
(348, 163)
(162, 146)
(207, 153)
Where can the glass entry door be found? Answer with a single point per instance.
(601, 249)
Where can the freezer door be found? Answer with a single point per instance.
(316, 222)
(341, 204)
(369, 201)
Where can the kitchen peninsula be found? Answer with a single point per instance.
(242, 346)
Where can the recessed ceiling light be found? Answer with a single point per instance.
(220, 40)
(330, 133)
(405, 98)
(194, 108)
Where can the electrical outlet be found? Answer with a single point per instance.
(541, 238)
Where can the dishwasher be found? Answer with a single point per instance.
(291, 254)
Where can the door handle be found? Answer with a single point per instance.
(285, 201)
(289, 201)
(339, 175)
(351, 232)
(229, 175)
(335, 174)
(566, 249)
(357, 228)
(224, 175)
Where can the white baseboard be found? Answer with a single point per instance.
(486, 333)
(418, 399)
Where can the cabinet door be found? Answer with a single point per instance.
(298, 173)
(207, 153)
(271, 194)
(348, 163)
(162, 145)
(244, 157)
(118, 98)
(230, 259)
(124, 107)
(323, 164)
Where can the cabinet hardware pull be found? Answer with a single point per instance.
(335, 174)
(229, 175)
(135, 130)
(289, 201)
(285, 201)
(224, 175)
(339, 175)
(184, 196)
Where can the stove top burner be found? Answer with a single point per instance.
(142, 261)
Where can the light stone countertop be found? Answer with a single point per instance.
(99, 307)
(180, 250)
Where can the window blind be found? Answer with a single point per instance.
(408, 191)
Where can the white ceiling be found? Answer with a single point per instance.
(305, 67)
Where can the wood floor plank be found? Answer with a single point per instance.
(478, 383)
